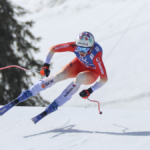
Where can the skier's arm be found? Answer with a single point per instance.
(101, 70)
(66, 47)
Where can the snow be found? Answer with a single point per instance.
(122, 28)
(66, 129)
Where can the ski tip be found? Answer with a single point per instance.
(1, 114)
(2, 111)
(34, 120)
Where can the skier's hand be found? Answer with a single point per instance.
(86, 93)
(45, 70)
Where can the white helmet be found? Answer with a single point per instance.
(85, 39)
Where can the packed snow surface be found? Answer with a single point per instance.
(72, 128)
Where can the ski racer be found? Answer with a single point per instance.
(86, 67)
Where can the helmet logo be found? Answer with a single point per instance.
(90, 40)
(85, 36)
(83, 43)
(88, 35)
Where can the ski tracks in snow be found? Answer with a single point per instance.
(15, 124)
(78, 143)
(52, 128)
(62, 125)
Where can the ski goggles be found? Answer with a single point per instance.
(83, 49)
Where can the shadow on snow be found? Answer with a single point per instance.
(69, 129)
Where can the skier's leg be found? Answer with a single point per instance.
(42, 85)
(71, 71)
(86, 77)
(68, 71)
(66, 95)
(37, 87)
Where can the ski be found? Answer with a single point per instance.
(39, 117)
(8, 106)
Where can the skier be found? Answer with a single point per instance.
(86, 67)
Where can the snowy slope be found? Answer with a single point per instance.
(121, 27)
(66, 129)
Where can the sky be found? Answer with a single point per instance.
(122, 28)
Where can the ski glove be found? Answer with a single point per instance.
(45, 70)
(86, 93)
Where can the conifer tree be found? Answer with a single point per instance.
(17, 48)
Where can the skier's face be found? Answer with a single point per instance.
(82, 54)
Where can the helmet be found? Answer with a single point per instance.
(85, 41)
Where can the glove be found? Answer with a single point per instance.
(45, 70)
(86, 93)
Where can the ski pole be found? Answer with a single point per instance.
(98, 105)
(19, 68)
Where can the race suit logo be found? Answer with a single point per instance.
(86, 63)
(74, 85)
(98, 59)
(62, 46)
(84, 60)
(97, 49)
(70, 90)
(46, 84)
(101, 68)
(43, 86)
(83, 43)
(85, 36)
(91, 56)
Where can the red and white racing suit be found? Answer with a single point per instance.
(85, 70)
(91, 63)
